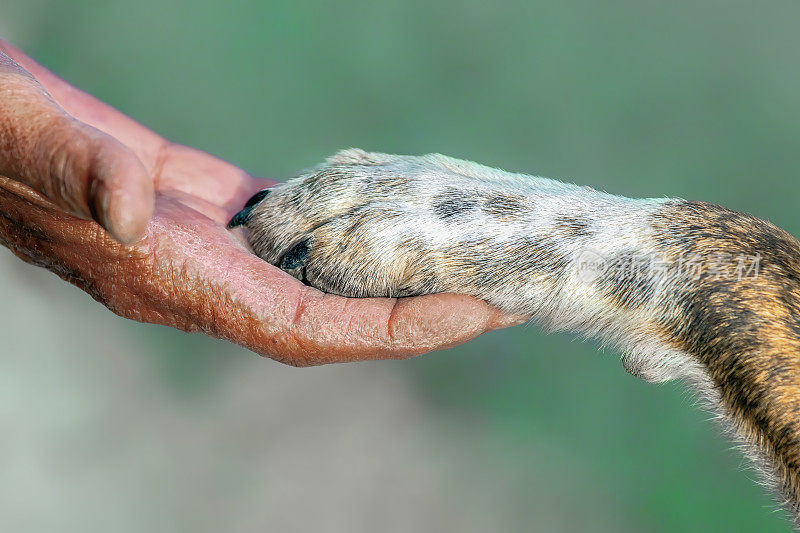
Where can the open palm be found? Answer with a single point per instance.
(188, 271)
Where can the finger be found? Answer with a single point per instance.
(79, 168)
(196, 173)
(174, 167)
(330, 329)
(237, 296)
(89, 110)
(193, 275)
(220, 214)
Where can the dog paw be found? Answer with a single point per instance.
(349, 227)
(370, 224)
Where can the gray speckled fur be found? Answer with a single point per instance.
(372, 224)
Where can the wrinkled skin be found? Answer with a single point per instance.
(71, 166)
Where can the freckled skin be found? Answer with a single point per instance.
(516, 241)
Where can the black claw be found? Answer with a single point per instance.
(244, 215)
(257, 197)
(295, 256)
(241, 217)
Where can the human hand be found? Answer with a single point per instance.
(70, 164)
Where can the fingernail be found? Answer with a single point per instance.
(117, 219)
(98, 206)
(505, 321)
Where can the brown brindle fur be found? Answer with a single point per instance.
(746, 333)
(366, 224)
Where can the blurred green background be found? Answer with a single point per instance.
(109, 425)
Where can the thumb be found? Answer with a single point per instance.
(81, 169)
